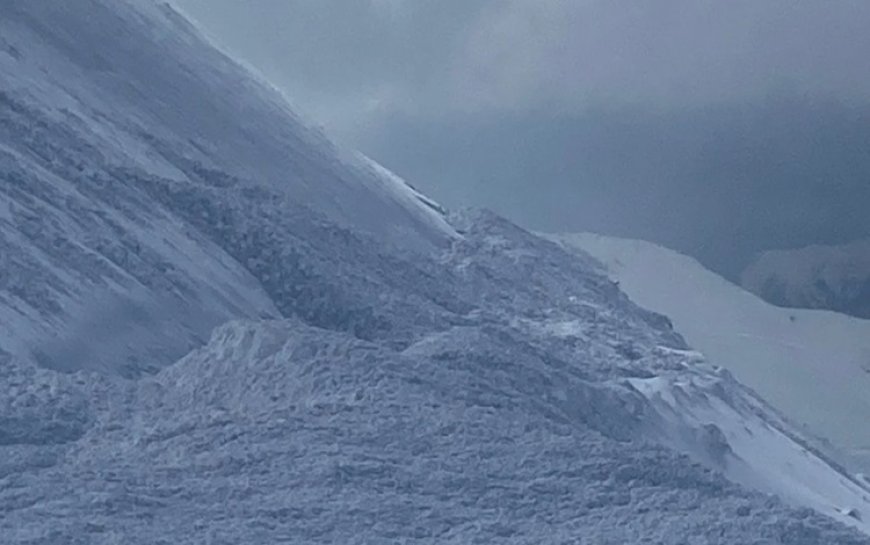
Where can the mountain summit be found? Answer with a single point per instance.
(217, 327)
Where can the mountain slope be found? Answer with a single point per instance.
(824, 277)
(812, 365)
(216, 327)
(526, 422)
(114, 116)
(161, 92)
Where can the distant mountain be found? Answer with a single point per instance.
(812, 365)
(827, 277)
(217, 327)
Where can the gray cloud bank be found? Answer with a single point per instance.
(718, 182)
(719, 128)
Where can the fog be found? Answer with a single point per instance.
(717, 128)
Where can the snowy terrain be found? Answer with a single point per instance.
(216, 327)
(96, 129)
(825, 277)
(812, 365)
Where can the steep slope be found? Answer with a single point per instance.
(142, 80)
(824, 277)
(525, 423)
(812, 365)
(113, 116)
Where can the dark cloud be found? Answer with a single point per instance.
(720, 182)
(472, 55)
(719, 128)
(344, 63)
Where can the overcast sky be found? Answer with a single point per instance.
(719, 128)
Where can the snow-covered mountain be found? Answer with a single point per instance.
(812, 365)
(824, 277)
(216, 327)
(117, 123)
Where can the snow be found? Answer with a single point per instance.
(810, 364)
(757, 454)
(217, 327)
(90, 131)
(431, 212)
(500, 424)
(195, 102)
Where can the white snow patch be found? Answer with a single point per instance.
(756, 453)
(415, 202)
(809, 364)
